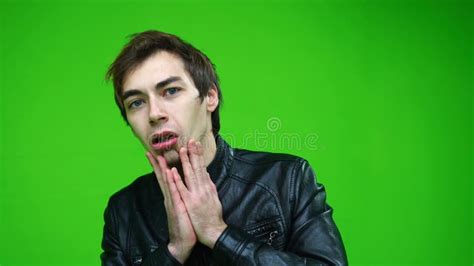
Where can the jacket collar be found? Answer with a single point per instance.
(219, 167)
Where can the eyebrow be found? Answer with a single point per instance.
(167, 81)
(130, 93)
(158, 86)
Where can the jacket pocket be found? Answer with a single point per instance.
(269, 231)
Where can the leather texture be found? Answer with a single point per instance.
(275, 210)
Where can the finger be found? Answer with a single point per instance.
(156, 169)
(195, 161)
(189, 175)
(163, 166)
(209, 177)
(149, 156)
(152, 160)
(200, 153)
(170, 180)
(205, 178)
(175, 197)
(201, 170)
(162, 162)
(183, 191)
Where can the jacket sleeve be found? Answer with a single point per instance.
(313, 238)
(113, 253)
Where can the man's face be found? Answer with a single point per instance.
(163, 106)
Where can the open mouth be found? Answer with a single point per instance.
(164, 140)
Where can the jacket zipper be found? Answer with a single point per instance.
(272, 236)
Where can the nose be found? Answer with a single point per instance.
(157, 113)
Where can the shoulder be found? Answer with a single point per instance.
(259, 166)
(263, 160)
(262, 157)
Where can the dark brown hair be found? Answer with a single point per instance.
(145, 44)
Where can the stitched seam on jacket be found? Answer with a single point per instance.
(296, 169)
(116, 230)
(114, 222)
(275, 198)
(238, 251)
(129, 227)
(289, 158)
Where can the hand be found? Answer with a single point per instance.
(180, 228)
(199, 195)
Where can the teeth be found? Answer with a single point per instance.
(157, 139)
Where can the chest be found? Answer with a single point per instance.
(255, 210)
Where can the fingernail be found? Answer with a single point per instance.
(198, 146)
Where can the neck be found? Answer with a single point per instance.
(209, 145)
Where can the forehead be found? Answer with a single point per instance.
(158, 67)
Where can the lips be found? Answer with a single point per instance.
(164, 140)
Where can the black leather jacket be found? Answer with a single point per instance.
(275, 212)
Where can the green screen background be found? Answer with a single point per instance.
(384, 88)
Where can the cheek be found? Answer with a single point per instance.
(198, 121)
(188, 117)
(137, 127)
(186, 114)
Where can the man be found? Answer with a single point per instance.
(205, 203)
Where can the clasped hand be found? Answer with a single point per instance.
(194, 210)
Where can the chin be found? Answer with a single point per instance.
(172, 158)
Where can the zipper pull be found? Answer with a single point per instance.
(273, 234)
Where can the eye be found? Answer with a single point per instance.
(171, 91)
(135, 104)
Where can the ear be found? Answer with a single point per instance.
(212, 99)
